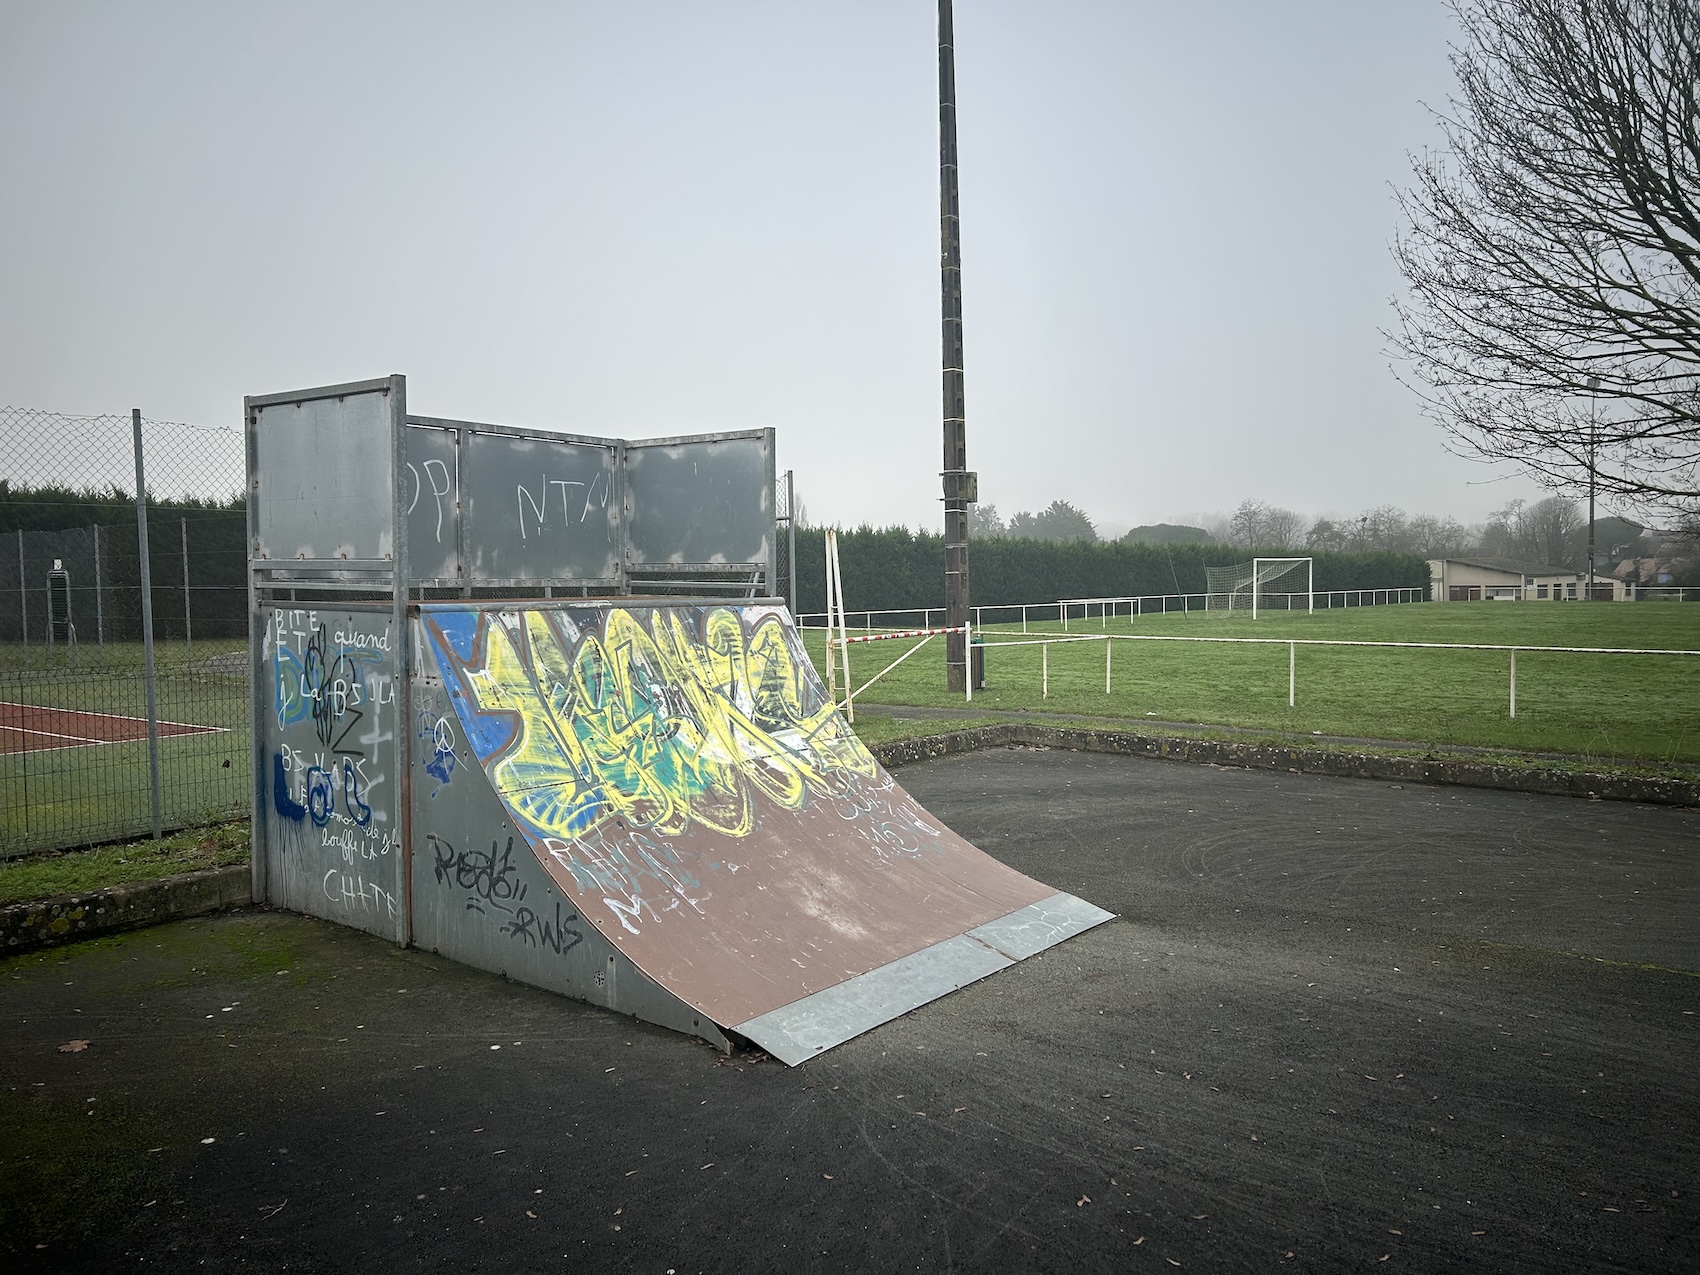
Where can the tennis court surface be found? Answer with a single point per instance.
(31, 728)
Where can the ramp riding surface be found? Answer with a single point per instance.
(681, 775)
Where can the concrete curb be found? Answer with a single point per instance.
(1308, 761)
(24, 927)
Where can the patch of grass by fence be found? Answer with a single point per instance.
(79, 872)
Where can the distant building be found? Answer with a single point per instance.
(1504, 580)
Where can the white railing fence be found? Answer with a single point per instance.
(1044, 643)
(1106, 609)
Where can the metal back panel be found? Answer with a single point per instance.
(328, 823)
(431, 488)
(323, 482)
(705, 500)
(540, 508)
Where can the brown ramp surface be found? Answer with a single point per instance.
(680, 771)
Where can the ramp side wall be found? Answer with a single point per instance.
(329, 812)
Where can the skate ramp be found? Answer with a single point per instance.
(682, 778)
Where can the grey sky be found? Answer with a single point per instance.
(647, 219)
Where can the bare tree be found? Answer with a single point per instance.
(1553, 248)
(1255, 525)
(1544, 532)
(1438, 537)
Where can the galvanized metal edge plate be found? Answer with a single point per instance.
(1040, 925)
(797, 1032)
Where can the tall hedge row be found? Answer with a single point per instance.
(894, 568)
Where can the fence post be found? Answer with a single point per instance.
(1108, 647)
(22, 595)
(1044, 670)
(99, 607)
(147, 624)
(1292, 671)
(1514, 681)
(188, 631)
(968, 647)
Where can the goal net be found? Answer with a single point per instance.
(1263, 584)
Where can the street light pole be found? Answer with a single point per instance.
(1593, 443)
(960, 486)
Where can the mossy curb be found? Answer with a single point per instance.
(70, 918)
(1551, 781)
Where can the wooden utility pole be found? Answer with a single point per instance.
(960, 485)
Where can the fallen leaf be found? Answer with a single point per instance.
(1199, 1217)
(1384, 1257)
(1478, 1232)
(1139, 1241)
(73, 1046)
(827, 1176)
(1171, 1261)
(1083, 1201)
(530, 1214)
(1391, 1231)
(709, 1165)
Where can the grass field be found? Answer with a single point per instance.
(1607, 708)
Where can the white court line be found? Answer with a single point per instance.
(79, 741)
(56, 734)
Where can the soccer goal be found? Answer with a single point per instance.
(1252, 586)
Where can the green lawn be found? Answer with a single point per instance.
(1629, 708)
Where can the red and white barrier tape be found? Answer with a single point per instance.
(906, 633)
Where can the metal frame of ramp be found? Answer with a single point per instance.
(648, 804)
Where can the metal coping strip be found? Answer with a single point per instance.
(798, 1031)
(379, 386)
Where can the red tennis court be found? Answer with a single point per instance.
(30, 728)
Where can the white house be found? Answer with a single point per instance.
(1501, 579)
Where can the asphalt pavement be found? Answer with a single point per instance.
(1339, 1025)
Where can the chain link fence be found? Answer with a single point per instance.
(82, 759)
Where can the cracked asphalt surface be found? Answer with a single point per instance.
(1340, 1024)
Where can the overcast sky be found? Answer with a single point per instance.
(639, 219)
